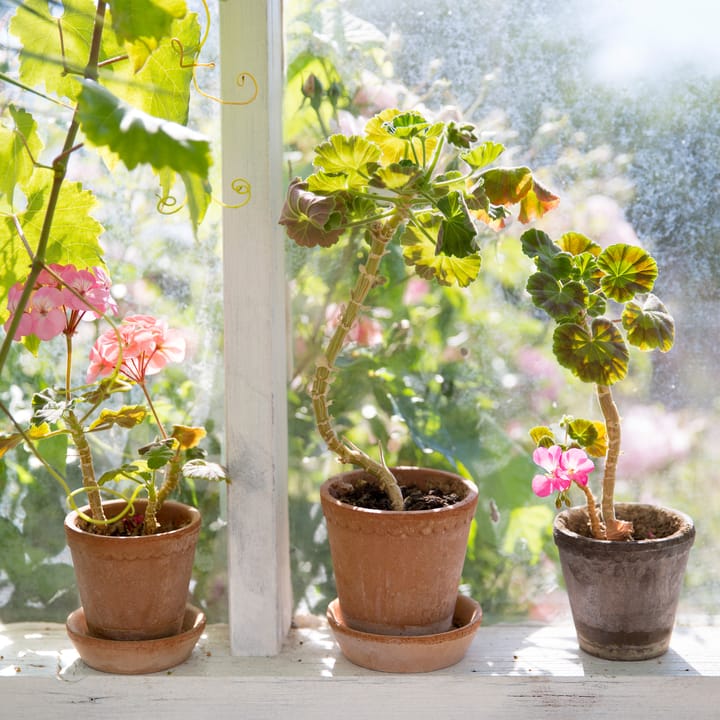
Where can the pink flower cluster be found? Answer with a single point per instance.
(54, 308)
(562, 468)
(146, 344)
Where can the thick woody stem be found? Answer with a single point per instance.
(381, 234)
(595, 527)
(87, 469)
(614, 529)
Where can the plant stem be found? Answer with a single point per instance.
(595, 527)
(161, 428)
(381, 234)
(86, 466)
(614, 529)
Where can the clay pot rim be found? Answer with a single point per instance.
(685, 533)
(195, 517)
(470, 497)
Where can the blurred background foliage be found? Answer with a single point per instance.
(448, 378)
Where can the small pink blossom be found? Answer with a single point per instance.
(562, 469)
(146, 344)
(554, 480)
(46, 313)
(576, 465)
(415, 290)
(25, 326)
(54, 306)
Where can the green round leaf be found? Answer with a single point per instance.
(649, 326)
(599, 356)
(559, 301)
(628, 269)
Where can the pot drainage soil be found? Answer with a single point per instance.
(366, 495)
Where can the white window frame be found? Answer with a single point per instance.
(260, 602)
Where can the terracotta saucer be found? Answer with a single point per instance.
(408, 654)
(135, 657)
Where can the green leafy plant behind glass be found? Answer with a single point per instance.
(601, 302)
(115, 78)
(428, 188)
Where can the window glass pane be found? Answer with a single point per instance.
(614, 106)
(159, 267)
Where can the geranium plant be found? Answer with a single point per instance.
(429, 188)
(117, 78)
(125, 355)
(602, 302)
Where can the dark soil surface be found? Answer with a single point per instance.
(650, 525)
(129, 526)
(367, 495)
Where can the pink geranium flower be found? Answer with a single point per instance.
(145, 343)
(562, 468)
(576, 465)
(46, 313)
(554, 479)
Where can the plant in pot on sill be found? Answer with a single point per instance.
(397, 537)
(623, 563)
(119, 82)
(132, 547)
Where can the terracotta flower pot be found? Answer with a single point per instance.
(135, 588)
(397, 573)
(624, 595)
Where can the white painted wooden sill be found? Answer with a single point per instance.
(511, 671)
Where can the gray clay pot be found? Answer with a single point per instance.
(624, 595)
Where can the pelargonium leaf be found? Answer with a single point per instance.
(536, 202)
(559, 300)
(419, 250)
(311, 219)
(649, 326)
(507, 186)
(457, 231)
(397, 176)
(349, 156)
(599, 356)
(590, 434)
(127, 416)
(483, 155)
(198, 469)
(542, 436)
(382, 129)
(548, 256)
(628, 269)
(576, 243)
(188, 437)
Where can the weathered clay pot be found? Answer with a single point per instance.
(135, 588)
(624, 595)
(397, 573)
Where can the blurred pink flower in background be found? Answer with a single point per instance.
(545, 374)
(415, 290)
(365, 331)
(653, 438)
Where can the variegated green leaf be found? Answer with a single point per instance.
(589, 434)
(419, 250)
(483, 155)
(576, 243)
(628, 269)
(560, 301)
(599, 356)
(649, 326)
(350, 156)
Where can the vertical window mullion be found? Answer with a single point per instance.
(255, 326)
